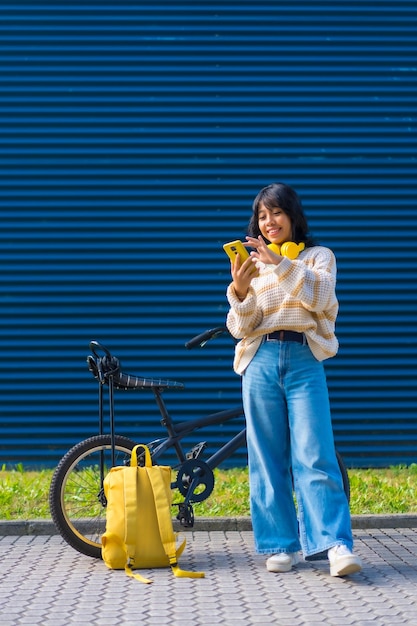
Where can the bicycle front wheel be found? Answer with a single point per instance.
(76, 496)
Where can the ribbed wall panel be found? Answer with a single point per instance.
(133, 138)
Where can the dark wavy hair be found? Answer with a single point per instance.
(282, 196)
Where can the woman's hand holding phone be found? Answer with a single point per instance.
(242, 267)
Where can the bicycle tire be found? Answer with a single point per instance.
(74, 495)
(345, 475)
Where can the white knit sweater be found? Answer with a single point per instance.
(294, 295)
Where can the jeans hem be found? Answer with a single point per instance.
(277, 551)
(328, 547)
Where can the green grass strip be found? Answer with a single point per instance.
(24, 494)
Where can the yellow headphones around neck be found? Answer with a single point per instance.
(288, 249)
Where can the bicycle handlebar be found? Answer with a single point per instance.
(102, 366)
(95, 346)
(201, 339)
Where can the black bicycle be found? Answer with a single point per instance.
(76, 498)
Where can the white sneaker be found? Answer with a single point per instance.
(343, 561)
(282, 562)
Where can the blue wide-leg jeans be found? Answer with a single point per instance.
(288, 420)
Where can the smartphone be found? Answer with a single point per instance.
(234, 248)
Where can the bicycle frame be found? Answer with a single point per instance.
(195, 478)
(176, 432)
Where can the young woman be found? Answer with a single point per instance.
(284, 314)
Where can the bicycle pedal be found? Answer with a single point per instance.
(196, 452)
(185, 515)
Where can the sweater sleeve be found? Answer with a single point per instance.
(244, 315)
(312, 283)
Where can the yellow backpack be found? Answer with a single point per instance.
(139, 532)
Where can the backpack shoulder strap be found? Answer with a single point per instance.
(130, 490)
(163, 510)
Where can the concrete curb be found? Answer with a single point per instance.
(47, 527)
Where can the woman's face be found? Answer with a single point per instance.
(274, 224)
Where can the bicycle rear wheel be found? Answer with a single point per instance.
(76, 495)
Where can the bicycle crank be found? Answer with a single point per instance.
(197, 478)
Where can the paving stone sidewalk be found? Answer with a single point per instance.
(44, 582)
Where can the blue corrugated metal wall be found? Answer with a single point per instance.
(133, 138)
